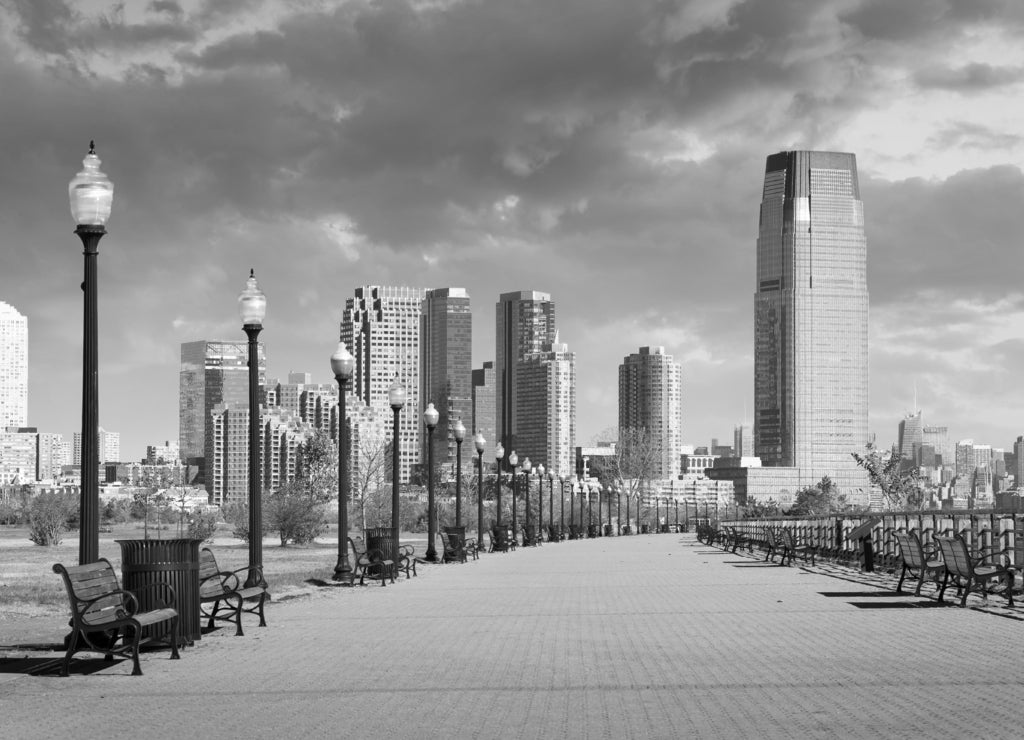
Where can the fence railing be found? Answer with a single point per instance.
(831, 534)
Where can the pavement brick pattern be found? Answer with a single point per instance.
(652, 636)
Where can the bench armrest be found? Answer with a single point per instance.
(129, 602)
(227, 580)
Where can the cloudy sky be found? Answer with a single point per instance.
(609, 152)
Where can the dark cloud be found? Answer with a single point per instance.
(964, 135)
(969, 78)
(899, 21)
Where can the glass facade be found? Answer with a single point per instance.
(13, 367)
(811, 314)
(651, 398)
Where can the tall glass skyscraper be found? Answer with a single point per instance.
(446, 369)
(811, 315)
(13, 367)
(651, 399)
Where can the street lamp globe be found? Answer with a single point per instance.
(252, 304)
(527, 465)
(459, 431)
(540, 470)
(513, 458)
(343, 364)
(431, 416)
(499, 450)
(91, 192)
(396, 394)
(479, 442)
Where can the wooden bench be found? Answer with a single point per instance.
(791, 548)
(773, 544)
(454, 552)
(918, 560)
(371, 563)
(500, 540)
(969, 571)
(102, 612)
(219, 587)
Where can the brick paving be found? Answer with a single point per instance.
(651, 636)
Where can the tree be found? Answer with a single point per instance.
(631, 469)
(318, 467)
(900, 484)
(295, 514)
(820, 499)
(368, 478)
(49, 516)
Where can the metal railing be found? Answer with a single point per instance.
(831, 534)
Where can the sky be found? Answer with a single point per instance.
(608, 152)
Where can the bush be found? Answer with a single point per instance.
(295, 516)
(203, 525)
(49, 516)
(237, 515)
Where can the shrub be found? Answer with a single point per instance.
(203, 525)
(237, 515)
(48, 517)
(295, 516)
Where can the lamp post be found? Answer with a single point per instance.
(252, 307)
(459, 432)
(513, 461)
(618, 510)
(600, 511)
(527, 467)
(561, 491)
(551, 504)
(499, 454)
(479, 442)
(396, 399)
(342, 365)
(629, 497)
(657, 515)
(91, 194)
(430, 417)
(540, 502)
(590, 510)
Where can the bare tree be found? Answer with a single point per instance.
(370, 473)
(632, 466)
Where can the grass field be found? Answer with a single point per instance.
(30, 590)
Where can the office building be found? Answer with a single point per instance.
(485, 407)
(651, 403)
(108, 447)
(911, 436)
(525, 324)
(213, 374)
(162, 454)
(546, 407)
(446, 370)
(13, 367)
(381, 327)
(743, 440)
(18, 455)
(811, 318)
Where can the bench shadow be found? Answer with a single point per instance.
(51, 666)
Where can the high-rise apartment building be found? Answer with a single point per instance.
(651, 402)
(525, 324)
(546, 407)
(108, 447)
(13, 367)
(1018, 463)
(811, 316)
(484, 405)
(163, 454)
(213, 374)
(18, 454)
(381, 327)
(938, 438)
(446, 369)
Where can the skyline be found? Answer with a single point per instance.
(609, 154)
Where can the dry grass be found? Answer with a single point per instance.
(29, 587)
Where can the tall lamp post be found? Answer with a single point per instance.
(590, 510)
(430, 417)
(551, 505)
(618, 510)
(513, 461)
(459, 432)
(396, 399)
(342, 365)
(499, 454)
(479, 442)
(561, 492)
(527, 467)
(540, 502)
(91, 194)
(252, 307)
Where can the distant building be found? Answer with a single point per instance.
(381, 327)
(911, 436)
(811, 319)
(651, 401)
(108, 447)
(525, 325)
(18, 455)
(546, 407)
(214, 375)
(163, 454)
(484, 407)
(938, 438)
(1018, 459)
(743, 440)
(446, 369)
(13, 367)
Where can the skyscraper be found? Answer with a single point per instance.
(911, 436)
(546, 407)
(381, 327)
(484, 404)
(525, 324)
(108, 447)
(13, 367)
(651, 399)
(743, 440)
(213, 374)
(446, 370)
(811, 315)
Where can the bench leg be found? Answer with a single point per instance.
(238, 615)
(72, 647)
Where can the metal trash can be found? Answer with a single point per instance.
(174, 562)
(645, 529)
(609, 530)
(383, 539)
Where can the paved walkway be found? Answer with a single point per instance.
(631, 637)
